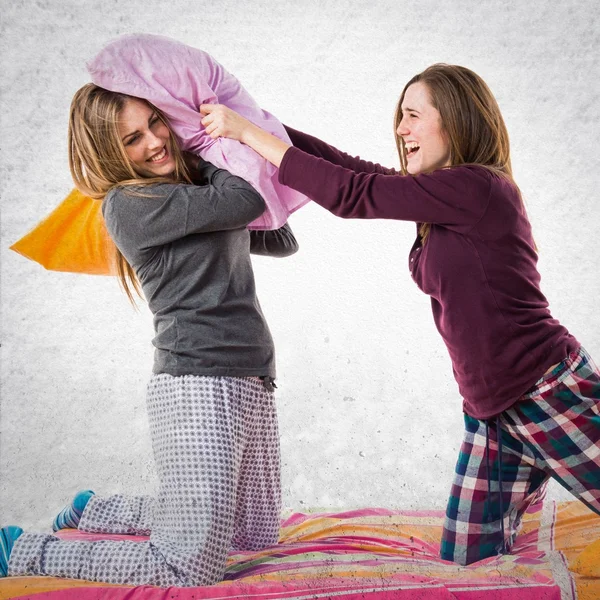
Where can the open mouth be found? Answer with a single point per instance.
(411, 149)
(159, 156)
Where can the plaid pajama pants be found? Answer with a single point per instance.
(216, 448)
(552, 431)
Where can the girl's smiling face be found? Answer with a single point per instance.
(146, 139)
(425, 145)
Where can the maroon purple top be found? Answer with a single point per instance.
(478, 264)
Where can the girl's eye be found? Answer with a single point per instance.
(131, 140)
(154, 121)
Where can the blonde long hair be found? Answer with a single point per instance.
(471, 120)
(99, 162)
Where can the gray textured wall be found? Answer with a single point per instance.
(370, 414)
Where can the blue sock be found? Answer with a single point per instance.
(8, 535)
(70, 515)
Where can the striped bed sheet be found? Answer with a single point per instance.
(371, 554)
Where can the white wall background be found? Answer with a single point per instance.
(369, 411)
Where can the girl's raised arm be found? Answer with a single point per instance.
(220, 121)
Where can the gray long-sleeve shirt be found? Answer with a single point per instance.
(190, 249)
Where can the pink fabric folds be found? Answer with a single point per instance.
(177, 79)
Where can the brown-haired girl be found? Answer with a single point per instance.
(520, 372)
(179, 224)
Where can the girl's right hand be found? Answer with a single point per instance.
(221, 121)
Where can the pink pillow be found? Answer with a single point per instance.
(177, 79)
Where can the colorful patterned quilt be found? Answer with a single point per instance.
(377, 554)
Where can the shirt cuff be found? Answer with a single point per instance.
(283, 167)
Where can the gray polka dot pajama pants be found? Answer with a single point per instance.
(216, 447)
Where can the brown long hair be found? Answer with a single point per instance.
(471, 120)
(99, 162)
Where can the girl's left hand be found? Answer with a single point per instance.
(192, 162)
(220, 121)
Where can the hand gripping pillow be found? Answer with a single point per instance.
(178, 79)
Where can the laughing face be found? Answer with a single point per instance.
(425, 144)
(146, 139)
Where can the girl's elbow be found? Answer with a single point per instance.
(258, 204)
(251, 203)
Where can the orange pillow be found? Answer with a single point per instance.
(71, 238)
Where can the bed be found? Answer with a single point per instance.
(377, 554)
